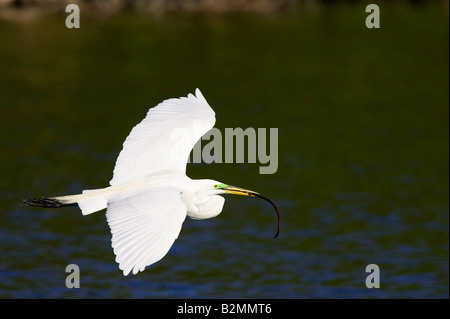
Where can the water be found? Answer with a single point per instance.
(363, 151)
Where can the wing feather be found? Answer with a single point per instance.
(165, 138)
(144, 226)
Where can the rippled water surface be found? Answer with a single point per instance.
(362, 175)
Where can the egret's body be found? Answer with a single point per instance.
(150, 194)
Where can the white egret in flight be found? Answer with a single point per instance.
(150, 194)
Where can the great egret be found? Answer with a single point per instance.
(150, 194)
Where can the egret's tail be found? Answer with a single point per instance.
(90, 201)
(47, 202)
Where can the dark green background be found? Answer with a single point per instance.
(363, 155)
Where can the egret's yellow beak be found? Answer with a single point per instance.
(239, 191)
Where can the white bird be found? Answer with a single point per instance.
(150, 194)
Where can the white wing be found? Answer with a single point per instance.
(144, 226)
(165, 138)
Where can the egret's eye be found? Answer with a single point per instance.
(220, 186)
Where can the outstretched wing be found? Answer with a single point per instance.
(165, 138)
(144, 226)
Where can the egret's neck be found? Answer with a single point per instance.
(202, 200)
